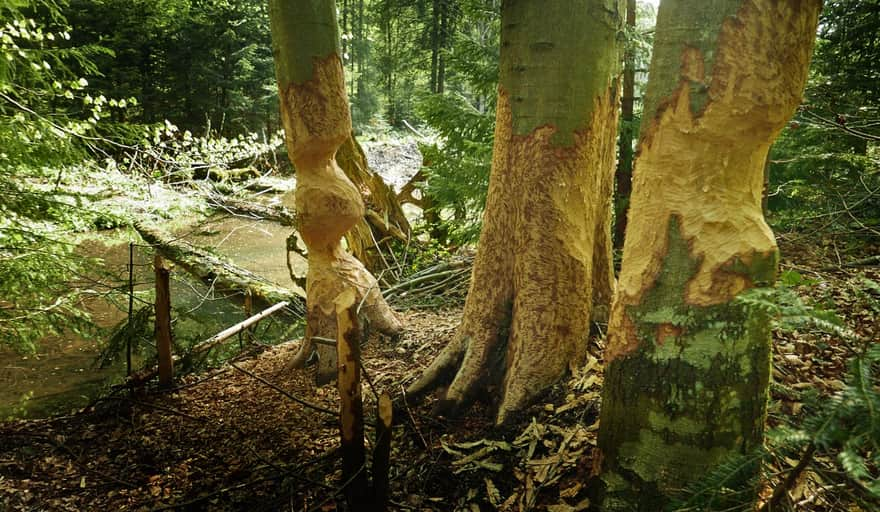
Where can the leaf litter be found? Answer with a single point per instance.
(224, 441)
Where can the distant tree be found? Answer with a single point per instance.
(544, 253)
(317, 121)
(623, 173)
(456, 167)
(687, 366)
(199, 64)
(823, 170)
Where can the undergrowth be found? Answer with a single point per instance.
(838, 437)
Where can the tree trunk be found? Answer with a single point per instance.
(345, 44)
(435, 43)
(384, 220)
(526, 318)
(687, 366)
(623, 175)
(317, 122)
(361, 49)
(442, 42)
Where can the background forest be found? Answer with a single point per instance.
(114, 112)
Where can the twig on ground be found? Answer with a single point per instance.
(285, 393)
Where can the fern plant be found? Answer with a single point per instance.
(844, 427)
(457, 166)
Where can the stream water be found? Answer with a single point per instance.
(63, 375)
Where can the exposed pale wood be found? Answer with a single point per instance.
(329, 198)
(544, 254)
(229, 332)
(687, 366)
(406, 193)
(163, 322)
(351, 404)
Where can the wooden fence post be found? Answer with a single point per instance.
(348, 349)
(163, 322)
(247, 334)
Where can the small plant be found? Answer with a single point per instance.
(19, 410)
(843, 428)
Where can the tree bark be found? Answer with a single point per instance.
(317, 122)
(526, 318)
(163, 322)
(435, 44)
(443, 37)
(623, 175)
(687, 366)
(351, 406)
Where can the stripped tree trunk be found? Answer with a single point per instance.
(351, 405)
(544, 251)
(316, 117)
(687, 366)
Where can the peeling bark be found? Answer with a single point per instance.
(315, 113)
(544, 252)
(687, 367)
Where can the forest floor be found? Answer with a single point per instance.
(223, 440)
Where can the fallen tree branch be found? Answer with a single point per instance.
(138, 378)
(277, 213)
(224, 275)
(782, 490)
(864, 262)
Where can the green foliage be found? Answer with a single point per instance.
(458, 165)
(165, 152)
(788, 312)
(20, 410)
(729, 486)
(199, 63)
(825, 167)
(46, 127)
(638, 43)
(844, 427)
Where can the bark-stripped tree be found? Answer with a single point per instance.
(316, 117)
(687, 366)
(544, 253)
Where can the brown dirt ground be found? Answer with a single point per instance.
(223, 440)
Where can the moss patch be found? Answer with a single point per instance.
(693, 392)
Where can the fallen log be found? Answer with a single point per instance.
(279, 213)
(217, 272)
